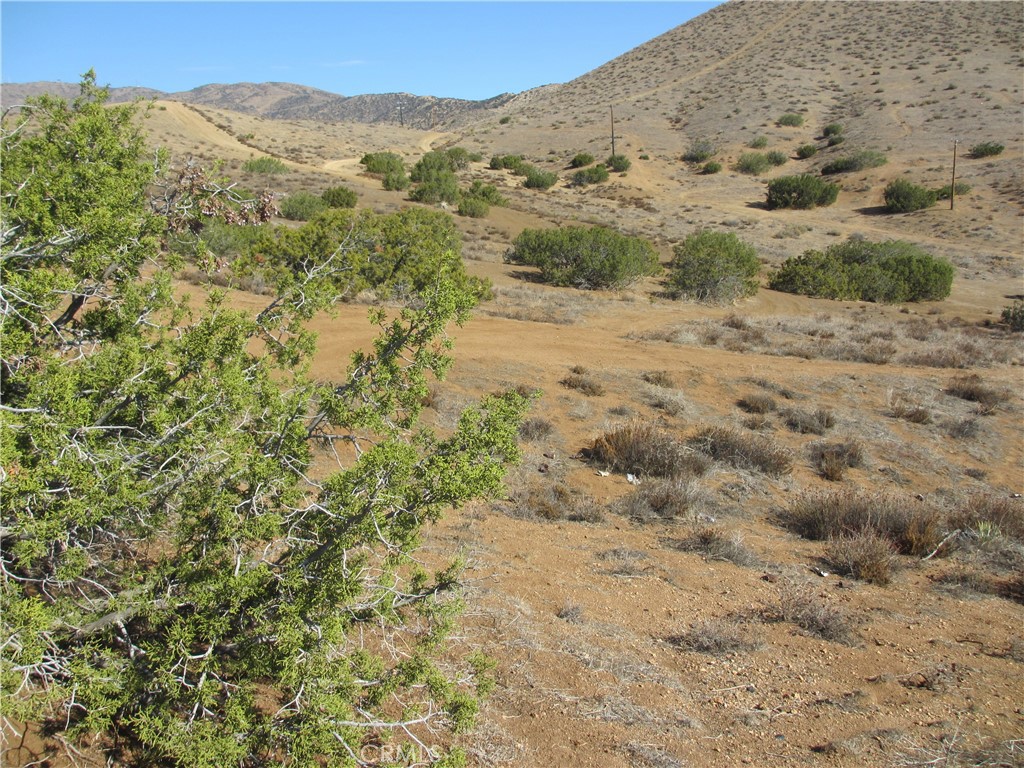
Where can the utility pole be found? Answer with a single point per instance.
(401, 117)
(611, 111)
(952, 183)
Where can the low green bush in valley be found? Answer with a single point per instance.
(589, 258)
(382, 163)
(539, 179)
(889, 272)
(700, 151)
(791, 120)
(987, 149)
(902, 196)
(711, 167)
(777, 157)
(340, 197)
(804, 191)
(264, 165)
(714, 267)
(594, 175)
(302, 206)
(859, 161)
(753, 163)
(618, 163)
(805, 151)
(581, 160)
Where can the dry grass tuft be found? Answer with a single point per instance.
(553, 501)
(864, 555)
(914, 527)
(971, 387)
(801, 604)
(716, 637)
(642, 449)
(833, 459)
(583, 383)
(714, 544)
(743, 450)
(659, 379)
(660, 500)
(535, 428)
(757, 403)
(809, 422)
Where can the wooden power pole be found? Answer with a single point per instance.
(952, 182)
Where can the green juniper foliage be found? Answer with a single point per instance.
(175, 576)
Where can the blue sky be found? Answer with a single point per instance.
(469, 50)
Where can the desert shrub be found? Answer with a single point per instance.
(383, 163)
(814, 422)
(987, 149)
(915, 527)
(430, 165)
(946, 192)
(864, 555)
(640, 448)
(395, 181)
(1000, 515)
(777, 157)
(594, 175)
(473, 207)
(710, 168)
(714, 267)
(435, 180)
(581, 382)
(581, 160)
(459, 158)
(833, 459)
(803, 191)
(539, 179)
(659, 379)
(660, 499)
(902, 196)
(618, 163)
(229, 239)
(791, 120)
(805, 151)
(891, 271)
(552, 501)
(832, 129)
(742, 450)
(302, 206)
(714, 544)
(512, 163)
(971, 387)
(757, 403)
(715, 637)
(535, 428)
(758, 142)
(1013, 316)
(486, 192)
(859, 161)
(753, 163)
(340, 197)
(909, 411)
(700, 151)
(835, 141)
(269, 165)
(589, 258)
(505, 120)
(803, 605)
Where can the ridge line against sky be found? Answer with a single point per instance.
(466, 50)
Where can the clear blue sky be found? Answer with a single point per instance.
(469, 50)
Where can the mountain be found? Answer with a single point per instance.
(286, 101)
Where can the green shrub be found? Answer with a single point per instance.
(539, 179)
(867, 158)
(505, 120)
(804, 191)
(383, 163)
(777, 157)
(711, 167)
(395, 181)
(1013, 316)
(700, 151)
(713, 266)
(514, 163)
(473, 207)
(892, 271)
(758, 142)
(459, 158)
(618, 163)
(264, 165)
(902, 196)
(437, 187)
(581, 160)
(228, 239)
(832, 129)
(486, 192)
(302, 206)
(753, 163)
(944, 193)
(835, 141)
(340, 197)
(791, 120)
(594, 175)
(589, 258)
(805, 151)
(987, 149)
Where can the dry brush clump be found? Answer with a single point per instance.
(642, 449)
(800, 604)
(546, 500)
(743, 450)
(914, 527)
(864, 555)
(814, 422)
(973, 388)
(660, 499)
(712, 543)
(715, 637)
(757, 403)
(832, 459)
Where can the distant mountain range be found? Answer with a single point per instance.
(286, 101)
